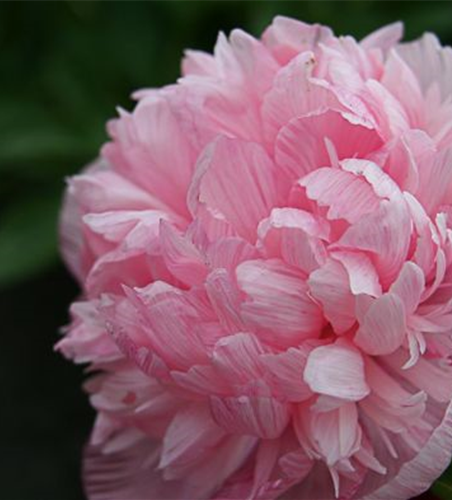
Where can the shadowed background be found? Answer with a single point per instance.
(64, 67)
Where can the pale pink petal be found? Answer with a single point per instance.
(197, 62)
(172, 324)
(190, 434)
(182, 258)
(225, 297)
(287, 369)
(287, 37)
(330, 286)
(295, 236)
(277, 305)
(431, 63)
(383, 38)
(435, 181)
(300, 146)
(295, 94)
(237, 359)
(391, 117)
(346, 195)
(400, 80)
(243, 58)
(87, 339)
(264, 417)
(428, 375)
(386, 234)
(126, 475)
(104, 190)
(361, 272)
(409, 286)
(228, 253)
(337, 370)
(140, 149)
(383, 329)
(416, 475)
(229, 173)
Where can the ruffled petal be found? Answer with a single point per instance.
(229, 173)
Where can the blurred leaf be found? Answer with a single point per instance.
(443, 486)
(40, 144)
(28, 237)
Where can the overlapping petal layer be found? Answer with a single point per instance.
(265, 257)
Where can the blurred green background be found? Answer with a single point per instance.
(64, 67)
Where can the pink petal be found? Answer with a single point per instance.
(197, 62)
(287, 369)
(104, 190)
(228, 253)
(415, 476)
(409, 286)
(330, 286)
(300, 146)
(337, 370)
(287, 37)
(391, 117)
(140, 149)
(427, 375)
(126, 475)
(295, 236)
(278, 305)
(264, 417)
(182, 258)
(383, 329)
(431, 63)
(190, 433)
(435, 181)
(399, 79)
(237, 358)
(172, 324)
(383, 38)
(386, 233)
(346, 195)
(294, 94)
(361, 272)
(229, 173)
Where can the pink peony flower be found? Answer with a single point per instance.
(265, 255)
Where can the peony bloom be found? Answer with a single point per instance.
(265, 255)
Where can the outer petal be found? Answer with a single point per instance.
(190, 435)
(430, 62)
(150, 148)
(127, 475)
(287, 37)
(416, 475)
(383, 38)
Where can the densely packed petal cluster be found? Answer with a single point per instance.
(265, 255)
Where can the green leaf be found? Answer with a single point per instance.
(28, 237)
(443, 486)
